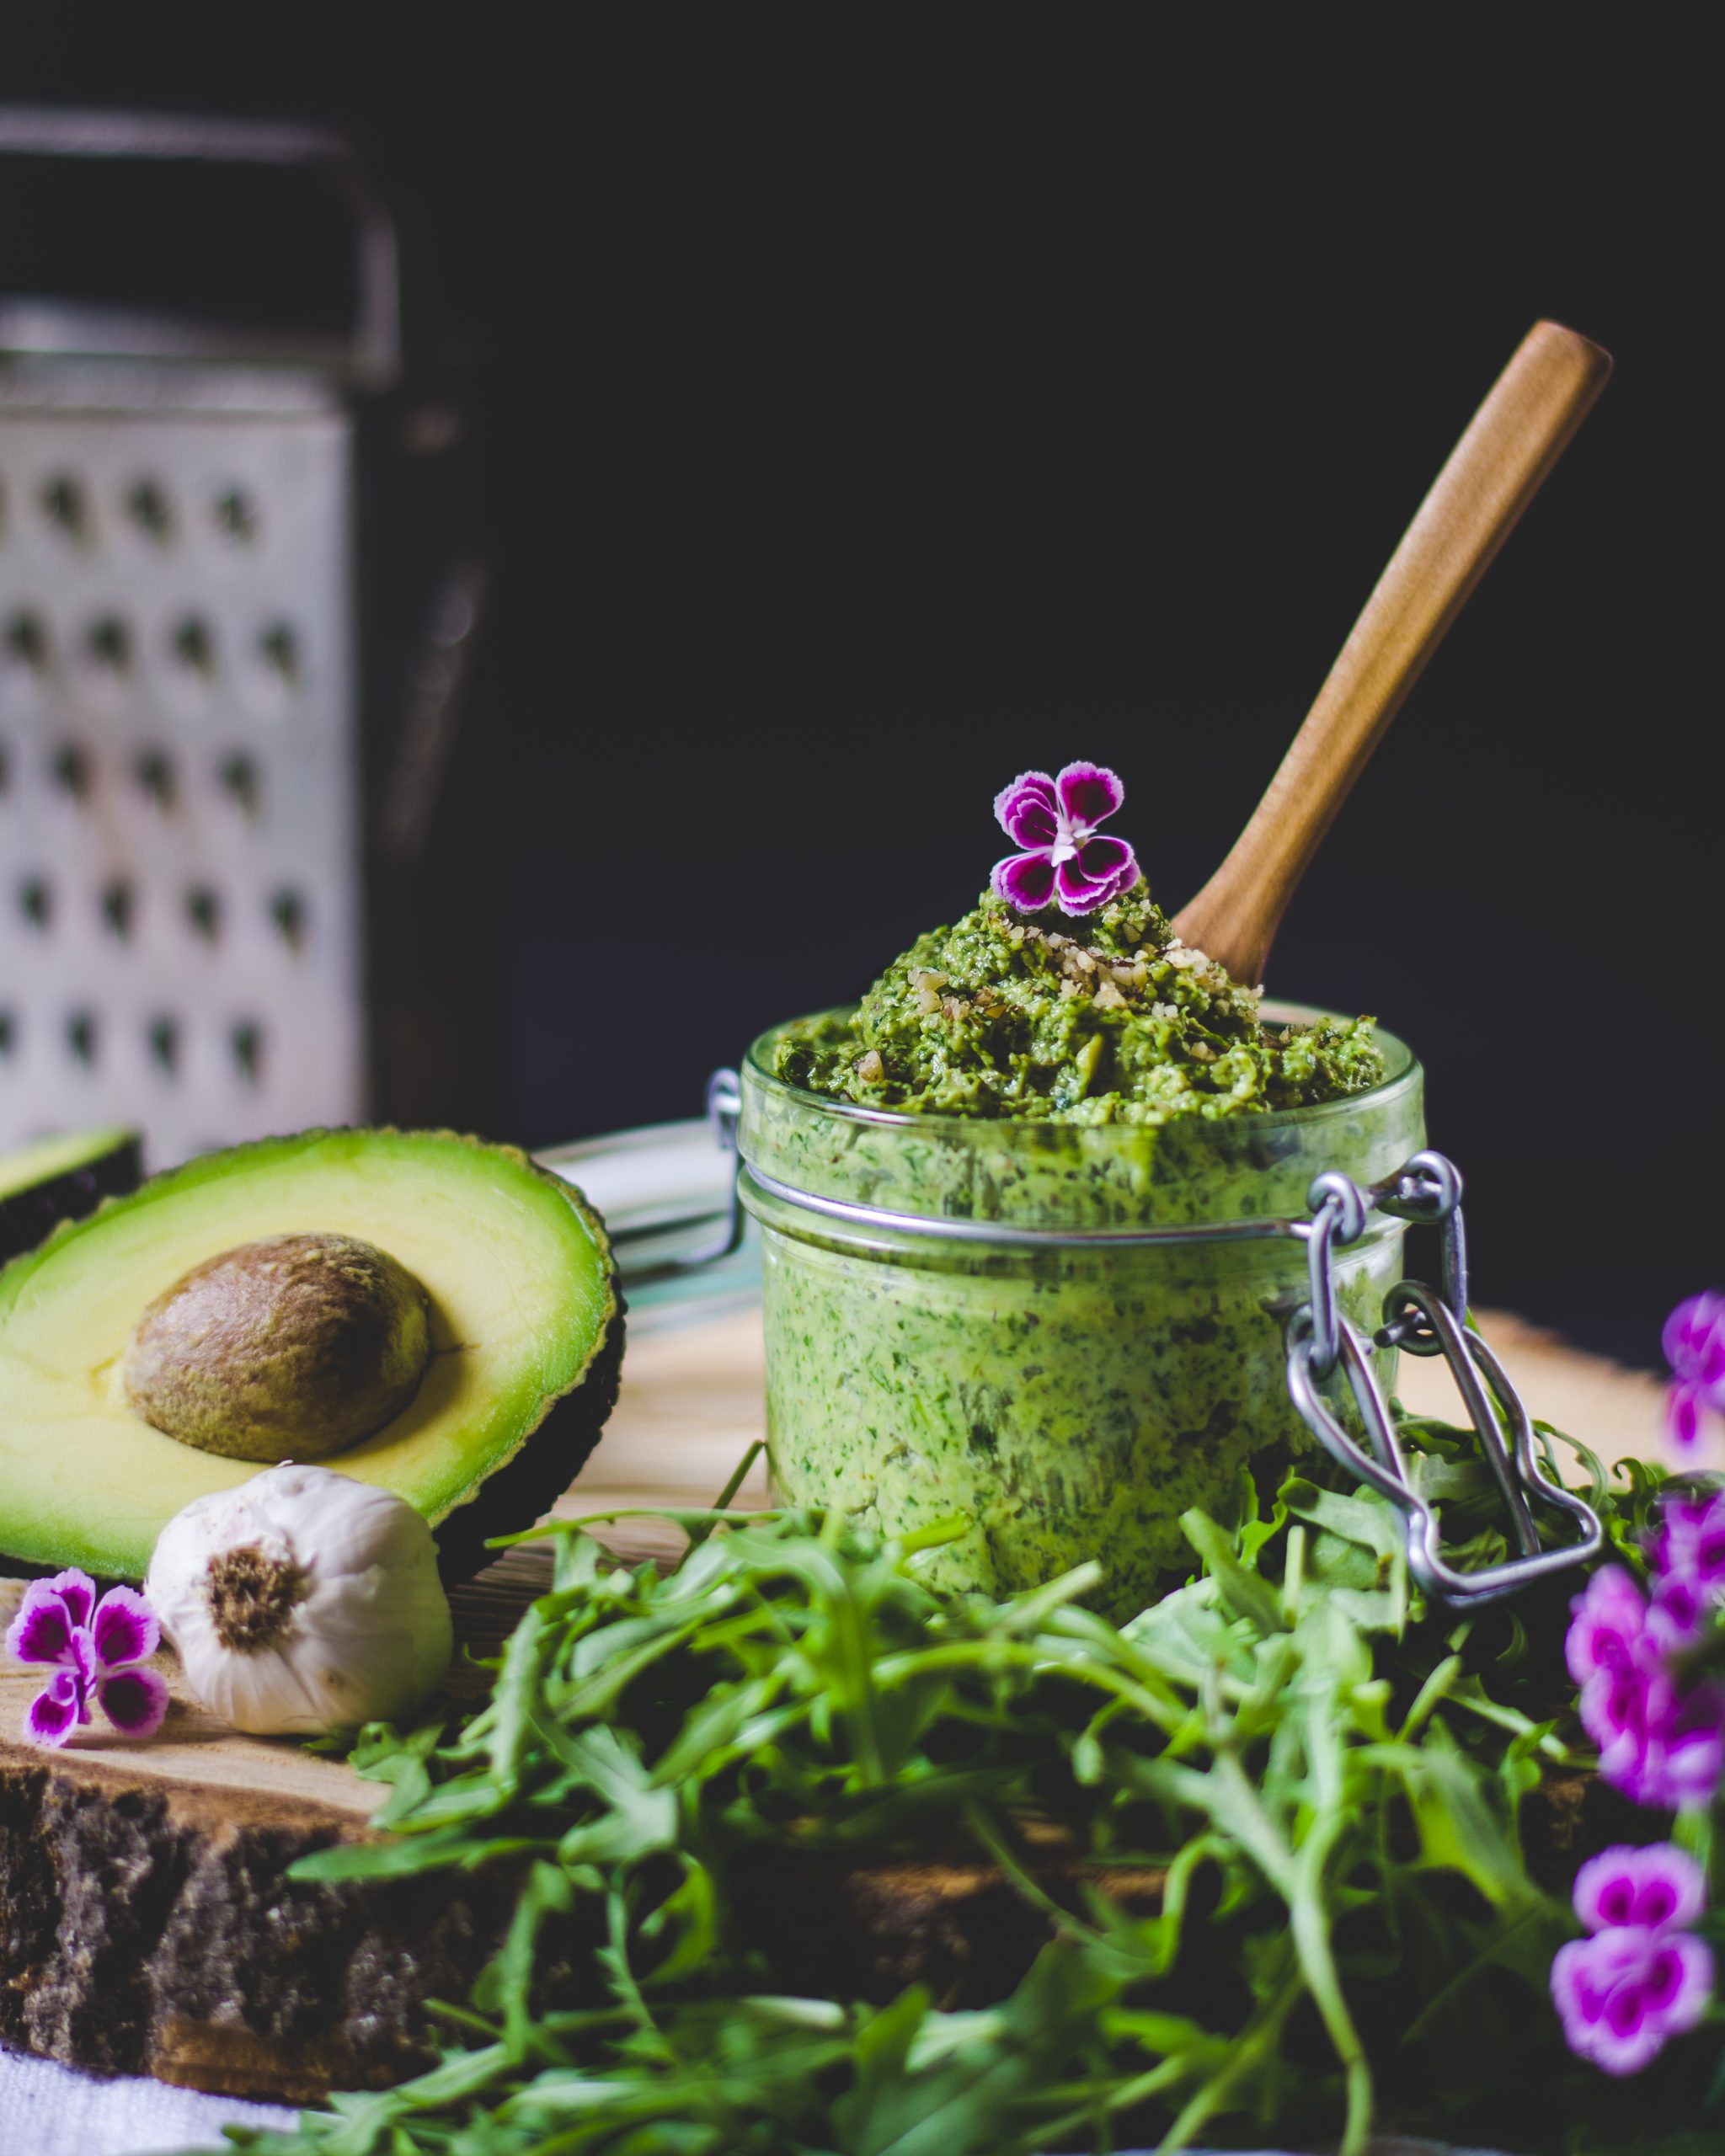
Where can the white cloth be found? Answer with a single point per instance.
(47, 2109)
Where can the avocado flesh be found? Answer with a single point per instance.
(524, 1315)
(62, 1178)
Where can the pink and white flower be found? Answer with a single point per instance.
(1694, 1342)
(1661, 1742)
(1065, 862)
(1641, 1978)
(95, 1650)
(1687, 1554)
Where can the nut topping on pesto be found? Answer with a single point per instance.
(1007, 1014)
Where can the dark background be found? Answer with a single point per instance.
(864, 408)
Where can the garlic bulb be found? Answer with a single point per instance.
(303, 1602)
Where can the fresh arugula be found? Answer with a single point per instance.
(1331, 1778)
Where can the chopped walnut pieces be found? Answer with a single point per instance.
(955, 1007)
(1108, 997)
(869, 1067)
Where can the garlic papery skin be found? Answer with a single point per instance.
(302, 1603)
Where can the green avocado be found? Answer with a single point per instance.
(449, 1287)
(61, 1179)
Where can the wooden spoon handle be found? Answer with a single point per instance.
(1493, 472)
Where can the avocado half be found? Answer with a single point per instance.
(63, 1179)
(525, 1330)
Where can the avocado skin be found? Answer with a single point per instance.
(291, 1348)
(514, 1495)
(27, 1216)
(525, 1488)
(555, 1449)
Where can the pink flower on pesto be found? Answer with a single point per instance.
(92, 1647)
(1693, 1344)
(1065, 862)
(1640, 1978)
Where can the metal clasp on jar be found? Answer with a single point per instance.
(1424, 1321)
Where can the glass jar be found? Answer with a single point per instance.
(1070, 1398)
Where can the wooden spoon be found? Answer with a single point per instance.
(1493, 472)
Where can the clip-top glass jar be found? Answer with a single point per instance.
(985, 1350)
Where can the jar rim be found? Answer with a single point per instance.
(1402, 1073)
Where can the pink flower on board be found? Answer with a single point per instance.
(1693, 1343)
(92, 1647)
(1641, 1978)
(1065, 862)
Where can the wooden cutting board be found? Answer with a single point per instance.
(145, 1923)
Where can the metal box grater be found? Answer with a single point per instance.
(181, 926)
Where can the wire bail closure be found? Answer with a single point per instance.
(1419, 1318)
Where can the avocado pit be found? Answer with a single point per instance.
(291, 1348)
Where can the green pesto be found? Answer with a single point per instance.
(1067, 1401)
(1045, 1018)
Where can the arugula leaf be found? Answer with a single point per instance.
(1324, 1776)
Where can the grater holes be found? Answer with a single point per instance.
(148, 513)
(241, 780)
(278, 666)
(64, 505)
(35, 902)
(234, 513)
(191, 642)
(108, 646)
(162, 1036)
(120, 907)
(8, 1031)
(27, 642)
(72, 770)
(246, 1039)
(189, 675)
(203, 909)
(287, 910)
(279, 649)
(104, 660)
(82, 1037)
(153, 771)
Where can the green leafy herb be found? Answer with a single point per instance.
(1327, 1781)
